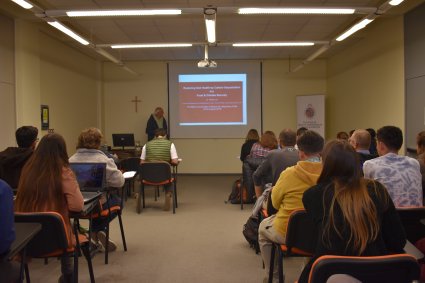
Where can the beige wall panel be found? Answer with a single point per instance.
(280, 89)
(366, 81)
(68, 85)
(7, 115)
(27, 74)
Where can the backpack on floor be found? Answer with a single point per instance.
(235, 195)
(250, 231)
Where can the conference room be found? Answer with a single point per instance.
(118, 73)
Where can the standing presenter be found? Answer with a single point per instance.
(156, 121)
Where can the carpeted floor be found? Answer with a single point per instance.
(202, 242)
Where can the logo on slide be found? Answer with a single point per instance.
(309, 111)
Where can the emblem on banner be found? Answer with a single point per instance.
(309, 111)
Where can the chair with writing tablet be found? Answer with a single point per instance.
(54, 240)
(92, 178)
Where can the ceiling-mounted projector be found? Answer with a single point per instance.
(207, 63)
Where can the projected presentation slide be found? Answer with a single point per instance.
(212, 99)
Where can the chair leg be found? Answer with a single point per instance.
(122, 231)
(174, 200)
(27, 274)
(139, 200)
(143, 195)
(271, 267)
(76, 266)
(280, 265)
(86, 252)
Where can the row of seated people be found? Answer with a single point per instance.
(356, 215)
(45, 182)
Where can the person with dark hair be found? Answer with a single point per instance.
(286, 195)
(12, 159)
(276, 161)
(251, 138)
(161, 149)
(88, 150)
(355, 216)
(372, 147)
(48, 184)
(360, 141)
(156, 121)
(400, 174)
(342, 136)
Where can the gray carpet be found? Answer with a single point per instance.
(202, 242)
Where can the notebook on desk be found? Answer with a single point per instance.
(91, 177)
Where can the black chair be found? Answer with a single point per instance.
(155, 174)
(54, 240)
(130, 164)
(105, 211)
(300, 240)
(411, 219)
(400, 268)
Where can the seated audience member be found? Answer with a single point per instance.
(7, 235)
(360, 141)
(48, 184)
(88, 150)
(399, 174)
(12, 159)
(420, 142)
(342, 136)
(276, 161)
(161, 149)
(355, 216)
(372, 148)
(258, 152)
(251, 138)
(9, 270)
(287, 194)
(300, 131)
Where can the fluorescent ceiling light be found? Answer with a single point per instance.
(353, 29)
(24, 4)
(69, 32)
(271, 44)
(337, 11)
(99, 13)
(210, 24)
(153, 45)
(395, 2)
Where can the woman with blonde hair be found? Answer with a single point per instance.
(88, 150)
(48, 184)
(355, 216)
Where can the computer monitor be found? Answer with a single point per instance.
(123, 140)
(91, 177)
